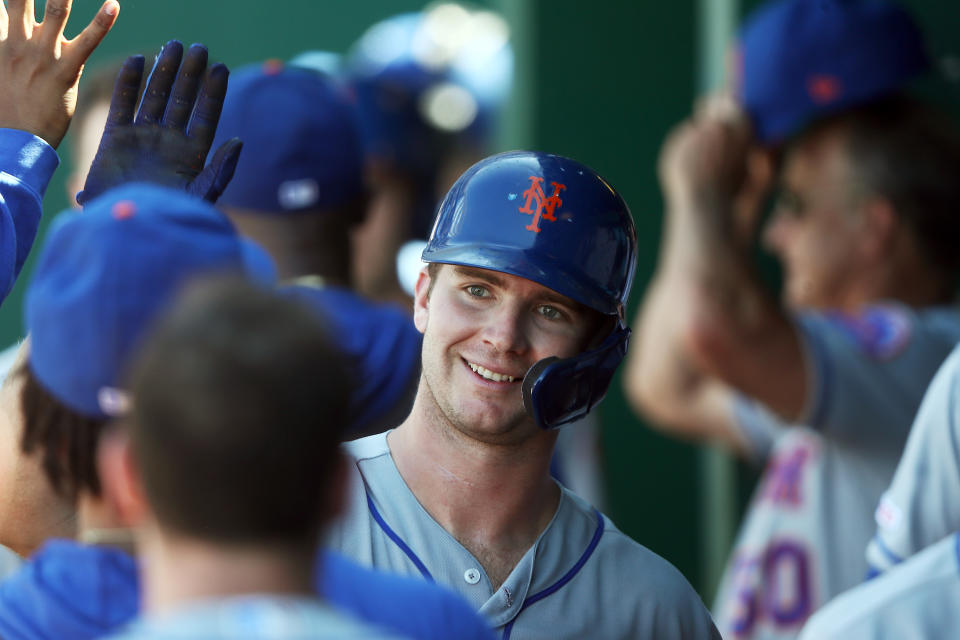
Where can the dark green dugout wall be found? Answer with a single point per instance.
(601, 81)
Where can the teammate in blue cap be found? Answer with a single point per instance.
(823, 386)
(299, 192)
(522, 311)
(233, 379)
(111, 269)
(40, 70)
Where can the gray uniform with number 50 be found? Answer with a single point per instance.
(811, 517)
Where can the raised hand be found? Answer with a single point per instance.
(167, 139)
(40, 68)
(703, 161)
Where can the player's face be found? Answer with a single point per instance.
(482, 331)
(815, 227)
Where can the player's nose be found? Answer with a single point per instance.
(506, 330)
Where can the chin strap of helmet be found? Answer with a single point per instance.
(558, 391)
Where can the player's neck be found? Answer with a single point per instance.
(300, 245)
(178, 571)
(496, 501)
(903, 276)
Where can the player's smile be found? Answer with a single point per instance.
(492, 375)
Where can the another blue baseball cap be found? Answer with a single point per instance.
(426, 77)
(104, 275)
(301, 140)
(801, 60)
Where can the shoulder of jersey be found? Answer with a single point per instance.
(882, 332)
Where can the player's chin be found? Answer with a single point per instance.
(499, 427)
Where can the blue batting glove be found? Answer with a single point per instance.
(166, 140)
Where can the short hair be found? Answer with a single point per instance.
(909, 153)
(65, 440)
(239, 403)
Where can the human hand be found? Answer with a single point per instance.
(168, 139)
(703, 162)
(40, 68)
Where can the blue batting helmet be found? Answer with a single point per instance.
(556, 222)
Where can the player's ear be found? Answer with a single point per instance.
(120, 477)
(421, 299)
(879, 229)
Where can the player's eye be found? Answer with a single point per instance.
(477, 291)
(550, 313)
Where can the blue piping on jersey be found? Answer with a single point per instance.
(819, 411)
(398, 541)
(891, 556)
(567, 577)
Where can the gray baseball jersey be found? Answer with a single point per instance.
(922, 504)
(915, 600)
(802, 540)
(583, 578)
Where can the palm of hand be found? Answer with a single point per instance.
(168, 140)
(155, 154)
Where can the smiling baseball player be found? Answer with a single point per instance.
(522, 311)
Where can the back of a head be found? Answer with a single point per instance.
(240, 400)
(802, 60)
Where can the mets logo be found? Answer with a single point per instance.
(545, 205)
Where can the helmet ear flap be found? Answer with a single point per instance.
(530, 380)
(558, 391)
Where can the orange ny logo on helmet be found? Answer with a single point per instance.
(535, 192)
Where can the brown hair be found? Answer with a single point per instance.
(240, 401)
(67, 441)
(907, 152)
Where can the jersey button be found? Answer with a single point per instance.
(471, 576)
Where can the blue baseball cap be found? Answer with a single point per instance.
(421, 78)
(800, 60)
(105, 274)
(301, 140)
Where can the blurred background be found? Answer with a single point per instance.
(601, 82)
